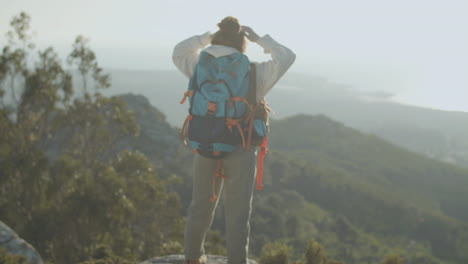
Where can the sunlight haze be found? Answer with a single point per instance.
(416, 50)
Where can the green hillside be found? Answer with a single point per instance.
(361, 196)
(365, 158)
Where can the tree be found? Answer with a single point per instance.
(393, 259)
(29, 94)
(314, 253)
(275, 253)
(72, 191)
(83, 57)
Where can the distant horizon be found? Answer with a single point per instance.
(279, 84)
(416, 50)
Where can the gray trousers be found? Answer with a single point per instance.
(239, 169)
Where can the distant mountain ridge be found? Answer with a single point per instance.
(433, 133)
(367, 158)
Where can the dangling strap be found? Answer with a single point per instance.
(184, 127)
(239, 99)
(186, 94)
(217, 173)
(260, 158)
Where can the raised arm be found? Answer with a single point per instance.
(185, 54)
(269, 72)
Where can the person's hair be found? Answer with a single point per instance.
(230, 34)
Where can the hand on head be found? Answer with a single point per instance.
(250, 33)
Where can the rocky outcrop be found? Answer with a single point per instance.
(158, 140)
(14, 245)
(179, 259)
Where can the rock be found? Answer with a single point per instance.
(14, 245)
(179, 259)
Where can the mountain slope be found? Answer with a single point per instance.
(366, 158)
(384, 193)
(434, 133)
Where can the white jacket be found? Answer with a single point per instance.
(185, 57)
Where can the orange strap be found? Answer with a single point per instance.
(217, 173)
(211, 108)
(235, 122)
(260, 158)
(239, 99)
(186, 94)
(184, 127)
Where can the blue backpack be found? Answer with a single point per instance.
(223, 112)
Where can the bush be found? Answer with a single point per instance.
(275, 253)
(314, 253)
(393, 259)
(6, 258)
(103, 255)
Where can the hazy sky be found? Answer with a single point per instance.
(415, 49)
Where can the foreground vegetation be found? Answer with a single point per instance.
(70, 200)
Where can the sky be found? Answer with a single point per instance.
(416, 50)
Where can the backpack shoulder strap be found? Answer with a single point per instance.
(252, 92)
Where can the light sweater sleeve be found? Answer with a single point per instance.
(269, 72)
(185, 54)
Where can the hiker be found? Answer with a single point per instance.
(238, 167)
